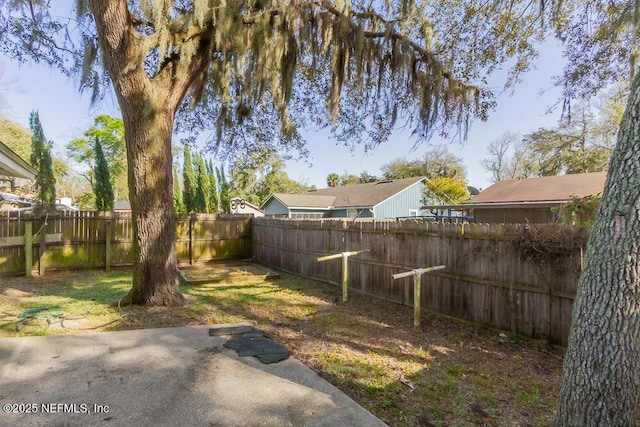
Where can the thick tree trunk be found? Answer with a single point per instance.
(148, 138)
(601, 367)
(148, 109)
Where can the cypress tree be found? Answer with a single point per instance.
(223, 187)
(41, 160)
(103, 189)
(178, 205)
(201, 194)
(47, 191)
(213, 188)
(188, 181)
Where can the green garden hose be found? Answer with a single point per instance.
(32, 313)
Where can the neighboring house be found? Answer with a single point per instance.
(240, 206)
(65, 204)
(14, 202)
(13, 165)
(382, 199)
(530, 199)
(121, 206)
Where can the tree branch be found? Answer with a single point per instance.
(423, 54)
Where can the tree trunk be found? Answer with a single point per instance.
(148, 109)
(148, 139)
(601, 367)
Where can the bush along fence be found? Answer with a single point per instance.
(80, 240)
(521, 278)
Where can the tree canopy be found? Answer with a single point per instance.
(110, 131)
(444, 190)
(255, 175)
(275, 67)
(18, 139)
(102, 187)
(582, 142)
(437, 162)
(333, 180)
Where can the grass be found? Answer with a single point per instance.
(446, 373)
(82, 301)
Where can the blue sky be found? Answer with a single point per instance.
(65, 114)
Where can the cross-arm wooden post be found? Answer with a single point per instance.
(417, 282)
(345, 271)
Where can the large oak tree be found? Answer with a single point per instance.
(601, 374)
(602, 363)
(359, 67)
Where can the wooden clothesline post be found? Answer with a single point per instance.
(417, 275)
(345, 271)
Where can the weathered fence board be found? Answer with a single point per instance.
(97, 240)
(487, 280)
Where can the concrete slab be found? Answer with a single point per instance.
(161, 377)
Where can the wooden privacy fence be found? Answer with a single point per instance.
(487, 278)
(102, 240)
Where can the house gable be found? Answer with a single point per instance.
(275, 207)
(406, 202)
(240, 206)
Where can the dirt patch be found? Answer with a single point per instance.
(226, 273)
(12, 294)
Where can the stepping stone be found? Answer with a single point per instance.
(255, 343)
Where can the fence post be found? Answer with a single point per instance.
(192, 240)
(28, 248)
(107, 240)
(43, 248)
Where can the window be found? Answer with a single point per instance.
(306, 215)
(413, 212)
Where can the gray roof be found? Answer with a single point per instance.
(357, 195)
(13, 165)
(542, 189)
(121, 205)
(304, 200)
